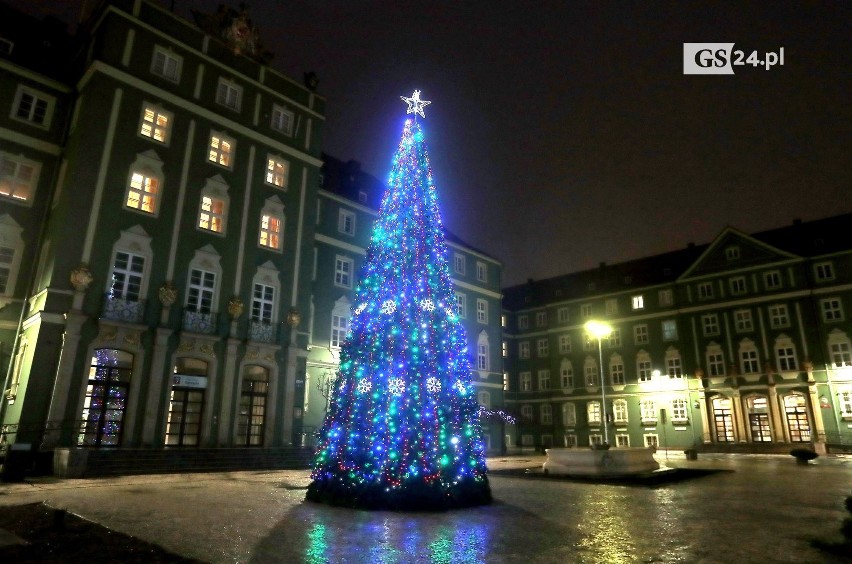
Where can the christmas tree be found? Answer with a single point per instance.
(402, 431)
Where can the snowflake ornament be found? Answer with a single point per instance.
(388, 307)
(364, 386)
(427, 305)
(460, 386)
(396, 386)
(360, 308)
(433, 385)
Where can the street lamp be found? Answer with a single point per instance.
(600, 330)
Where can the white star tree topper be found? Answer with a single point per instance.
(415, 104)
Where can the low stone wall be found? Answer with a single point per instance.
(587, 462)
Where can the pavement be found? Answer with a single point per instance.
(746, 508)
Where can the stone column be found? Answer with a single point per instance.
(225, 435)
(707, 436)
(814, 407)
(64, 376)
(159, 374)
(775, 409)
(740, 428)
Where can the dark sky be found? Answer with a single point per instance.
(564, 134)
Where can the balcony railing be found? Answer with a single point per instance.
(262, 331)
(120, 309)
(199, 322)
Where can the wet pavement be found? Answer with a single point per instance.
(752, 509)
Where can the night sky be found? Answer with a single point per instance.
(565, 134)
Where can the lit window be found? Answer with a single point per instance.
(229, 94)
(282, 120)
(221, 149)
(680, 409)
(166, 64)
(270, 231)
(18, 177)
(143, 192)
(346, 222)
(156, 123)
(619, 411)
(832, 309)
(343, 267)
(593, 411)
(277, 171)
(669, 330)
(211, 216)
(33, 107)
(638, 302)
(840, 350)
(648, 410)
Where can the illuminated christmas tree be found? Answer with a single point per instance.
(402, 431)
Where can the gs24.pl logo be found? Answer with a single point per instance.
(721, 58)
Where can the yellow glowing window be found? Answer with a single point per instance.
(212, 214)
(276, 172)
(17, 178)
(220, 150)
(270, 231)
(143, 193)
(155, 124)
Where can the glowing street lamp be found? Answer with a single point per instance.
(600, 330)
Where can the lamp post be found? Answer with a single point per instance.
(601, 330)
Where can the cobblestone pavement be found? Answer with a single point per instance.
(754, 509)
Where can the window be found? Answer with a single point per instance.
(705, 290)
(569, 414)
(680, 408)
(845, 399)
(277, 172)
(505, 349)
(785, 354)
(459, 263)
(211, 215)
(832, 309)
(586, 311)
(229, 94)
(505, 381)
(481, 311)
(710, 324)
(738, 285)
(346, 222)
(483, 350)
(339, 327)
(484, 399)
(481, 272)
(593, 410)
(611, 306)
(648, 410)
(732, 253)
(546, 414)
(622, 440)
(543, 346)
(127, 274)
(673, 363)
(102, 419)
(526, 381)
(595, 439)
(544, 379)
(742, 320)
(669, 330)
(715, 361)
(614, 338)
(566, 374)
(638, 302)
(155, 123)
(541, 319)
(33, 107)
(772, 280)
(565, 344)
(143, 192)
(562, 315)
(778, 316)
(643, 366)
(665, 297)
(7, 260)
(590, 369)
(18, 177)
(619, 411)
(640, 334)
(221, 149)
(253, 401)
(616, 371)
(651, 440)
(166, 64)
(840, 349)
(201, 291)
(262, 303)
(362, 197)
(343, 267)
(748, 358)
(270, 231)
(824, 271)
(282, 120)
(523, 322)
(524, 350)
(461, 304)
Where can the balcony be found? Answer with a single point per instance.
(199, 322)
(262, 331)
(120, 309)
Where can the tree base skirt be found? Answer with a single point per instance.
(410, 497)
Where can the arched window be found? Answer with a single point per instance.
(144, 183)
(106, 398)
(619, 411)
(616, 370)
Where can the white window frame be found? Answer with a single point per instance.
(209, 218)
(749, 357)
(544, 379)
(524, 349)
(201, 295)
(120, 280)
(546, 414)
(565, 344)
(593, 412)
(344, 271)
(680, 410)
(271, 228)
(674, 367)
(616, 371)
(459, 263)
(638, 302)
(346, 222)
(481, 271)
(566, 374)
(738, 285)
(644, 368)
(715, 358)
(648, 410)
(743, 321)
(710, 324)
(640, 334)
(277, 172)
(772, 280)
(562, 315)
(824, 271)
(523, 322)
(282, 119)
(591, 373)
(543, 347)
(48, 101)
(831, 309)
(619, 411)
(221, 149)
(481, 310)
(525, 381)
(144, 185)
(341, 317)
(162, 70)
(263, 298)
(229, 94)
(569, 414)
(151, 126)
(614, 338)
(541, 319)
(669, 328)
(11, 183)
(483, 353)
(705, 291)
(779, 316)
(839, 349)
(461, 305)
(785, 354)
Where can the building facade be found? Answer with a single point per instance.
(162, 197)
(740, 345)
(348, 203)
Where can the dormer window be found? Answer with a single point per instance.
(732, 253)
